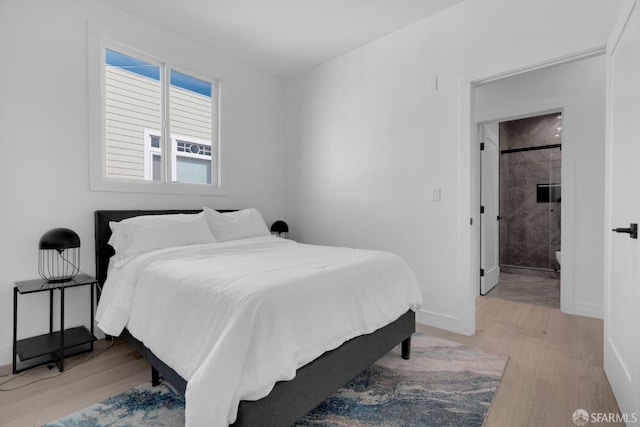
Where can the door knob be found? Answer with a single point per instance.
(632, 230)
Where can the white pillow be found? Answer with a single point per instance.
(236, 225)
(150, 232)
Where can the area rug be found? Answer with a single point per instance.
(444, 384)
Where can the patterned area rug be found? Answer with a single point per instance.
(143, 406)
(444, 384)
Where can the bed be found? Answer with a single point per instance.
(290, 399)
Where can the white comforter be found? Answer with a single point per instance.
(234, 318)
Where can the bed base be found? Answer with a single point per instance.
(313, 383)
(291, 400)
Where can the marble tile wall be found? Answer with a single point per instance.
(529, 231)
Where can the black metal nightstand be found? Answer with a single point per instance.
(53, 344)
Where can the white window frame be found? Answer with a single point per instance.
(149, 152)
(102, 38)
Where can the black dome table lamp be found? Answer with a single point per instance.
(280, 229)
(59, 255)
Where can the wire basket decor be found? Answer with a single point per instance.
(59, 255)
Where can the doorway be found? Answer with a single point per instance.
(577, 89)
(521, 196)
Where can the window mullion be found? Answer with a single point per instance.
(166, 127)
(215, 147)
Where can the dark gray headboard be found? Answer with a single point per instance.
(104, 251)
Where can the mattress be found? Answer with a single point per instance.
(234, 318)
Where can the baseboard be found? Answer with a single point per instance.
(6, 365)
(441, 321)
(588, 310)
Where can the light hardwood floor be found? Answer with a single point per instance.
(555, 367)
(87, 379)
(555, 364)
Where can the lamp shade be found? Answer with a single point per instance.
(59, 239)
(280, 228)
(59, 255)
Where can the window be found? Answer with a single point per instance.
(191, 161)
(158, 126)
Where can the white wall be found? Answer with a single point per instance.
(44, 172)
(367, 141)
(579, 88)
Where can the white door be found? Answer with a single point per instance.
(489, 200)
(622, 253)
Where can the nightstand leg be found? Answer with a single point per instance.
(15, 328)
(51, 311)
(92, 315)
(61, 329)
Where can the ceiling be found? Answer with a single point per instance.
(282, 37)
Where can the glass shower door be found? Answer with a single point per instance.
(530, 194)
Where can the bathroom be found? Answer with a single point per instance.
(530, 202)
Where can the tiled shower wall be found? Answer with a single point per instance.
(529, 231)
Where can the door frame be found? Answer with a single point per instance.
(567, 231)
(469, 201)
